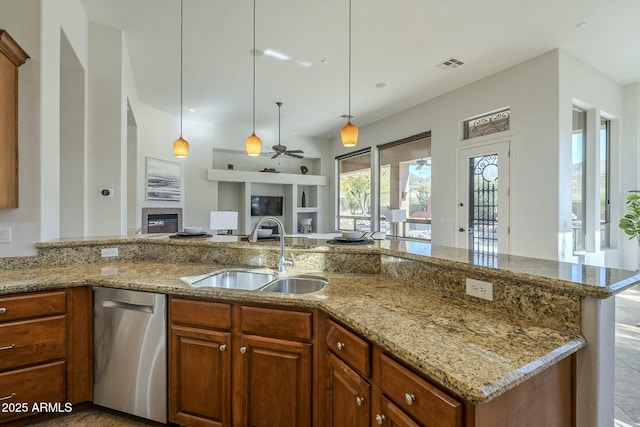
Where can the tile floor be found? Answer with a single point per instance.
(627, 393)
(627, 371)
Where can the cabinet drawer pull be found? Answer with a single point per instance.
(243, 350)
(359, 400)
(223, 347)
(340, 346)
(8, 397)
(380, 419)
(3, 310)
(409, 398)
(8, 347)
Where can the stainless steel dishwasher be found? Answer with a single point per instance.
(130, 352)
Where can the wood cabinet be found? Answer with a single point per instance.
(11, 57)
(348, 397)
(235, 365)
(402, 398)
(45, 350)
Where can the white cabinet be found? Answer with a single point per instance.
(241, 185)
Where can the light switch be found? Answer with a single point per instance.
(5, 234)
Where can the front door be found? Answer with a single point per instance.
(483, 200)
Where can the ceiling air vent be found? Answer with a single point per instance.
(450, 64)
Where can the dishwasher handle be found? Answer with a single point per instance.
(125, 305)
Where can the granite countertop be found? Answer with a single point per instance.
(578, 279)
(476, 353)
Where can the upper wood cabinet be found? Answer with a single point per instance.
(11, 57)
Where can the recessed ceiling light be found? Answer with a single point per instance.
(323, 61)
(381, 85)
(190, 109)
(581, 24)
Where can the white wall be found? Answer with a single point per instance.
(37, 27)
(19, 18)
(583, 86)
(628, 159)
(530, 90)
(540, 94)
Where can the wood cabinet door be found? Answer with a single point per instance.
(276, 382)
(392, 416)
(348, 396)
(199, 377)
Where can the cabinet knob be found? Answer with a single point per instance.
(3, 310)
(380, 419)
(359, 400)
(223, 347)
(409, 398)
(243, 350)
(340, 346)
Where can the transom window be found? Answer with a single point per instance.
(487, 124)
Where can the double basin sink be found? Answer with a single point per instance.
(262, 281)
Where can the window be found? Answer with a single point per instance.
(605, 220)
(405, 183)
(487, 124)
(354, 191)
(578, 179)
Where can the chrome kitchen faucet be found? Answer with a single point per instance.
(283, 263)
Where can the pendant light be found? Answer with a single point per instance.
(180, 145)
(253, 144)
(349, 133)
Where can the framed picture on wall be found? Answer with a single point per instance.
(163, 180)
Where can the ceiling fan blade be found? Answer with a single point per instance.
(275, 155)
(295, 151)
(297, 156)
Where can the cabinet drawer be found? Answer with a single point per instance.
(277, 323)
(349, 347)
(24, 306)
(200, 313)
(31, 341)
(43, 383)
(417, 397)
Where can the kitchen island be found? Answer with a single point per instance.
(406, 298)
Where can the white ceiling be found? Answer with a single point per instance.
(396, 42)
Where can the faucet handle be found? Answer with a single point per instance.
(290, 262)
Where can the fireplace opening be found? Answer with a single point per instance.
(161, 220)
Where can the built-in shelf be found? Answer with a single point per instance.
(290, 185)
(307, 210)
(225, 175)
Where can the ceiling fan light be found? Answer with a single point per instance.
(349, 135)
(180, 148)
(253, 145)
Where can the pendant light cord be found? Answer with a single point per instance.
(253, 53)
(181, 37)
(349, 118)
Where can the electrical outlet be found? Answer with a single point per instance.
(5, 234)
(480, 289)
(109, 252)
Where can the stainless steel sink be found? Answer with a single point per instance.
(296, 285)
(235, 279)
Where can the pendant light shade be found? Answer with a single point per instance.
(253, 144)
(349, 133)
(180, 145)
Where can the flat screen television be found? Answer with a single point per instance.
(266, 205)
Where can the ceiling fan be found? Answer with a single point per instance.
(282, 149)
(423, 162)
